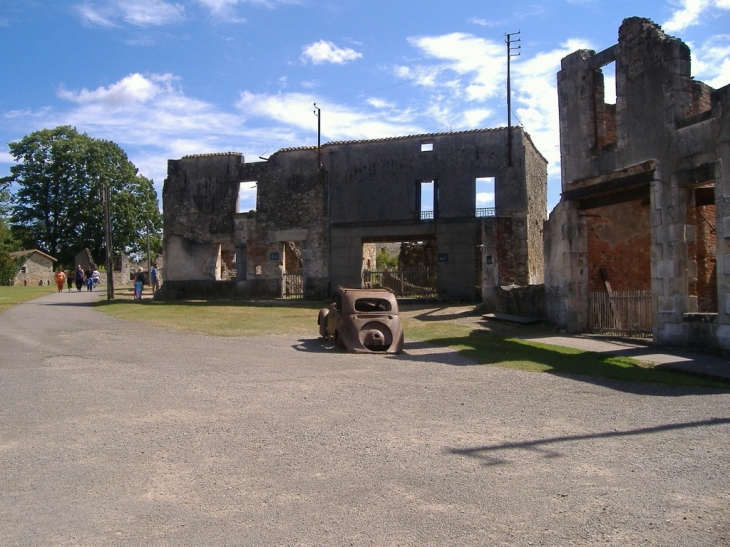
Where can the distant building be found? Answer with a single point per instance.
(34, 267)
(321, 212)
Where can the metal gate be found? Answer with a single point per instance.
(413, 282)
(621, 313)
(293, 285)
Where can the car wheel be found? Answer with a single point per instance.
(322, 322)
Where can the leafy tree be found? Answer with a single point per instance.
(58, 207)
(385, 261)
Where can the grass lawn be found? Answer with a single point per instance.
(248, 318)
(10, 296)
(218, 318)
(488, 348)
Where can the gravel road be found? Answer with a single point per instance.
(114, 433)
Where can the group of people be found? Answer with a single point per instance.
(88, 278)
(139, 280)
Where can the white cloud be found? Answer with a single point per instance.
(711, 61)
(327, 52)
(5, 157)
(135, 12)
(461, 56)
(691, 12)
(134, 88)
(485, 199)
(338, 122)
(380, 103)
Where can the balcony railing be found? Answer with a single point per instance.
(484, 212)
(479, 212)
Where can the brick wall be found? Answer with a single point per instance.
(619, 241)
(702, 250)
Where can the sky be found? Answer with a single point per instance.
(168, 78)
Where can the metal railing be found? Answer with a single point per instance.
(484, 212)
(413, 282)
(479, 212)
(293, 285)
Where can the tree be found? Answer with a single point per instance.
(57, 205)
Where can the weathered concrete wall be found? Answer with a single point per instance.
(367, 192)
(672, 140)
(200, 198)
(291, 211)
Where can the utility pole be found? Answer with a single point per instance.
(512, 51)
(318, 113)
(106, 197)
(149, 258)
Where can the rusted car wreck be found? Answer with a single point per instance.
(363, 321)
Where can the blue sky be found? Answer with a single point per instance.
(166, 78)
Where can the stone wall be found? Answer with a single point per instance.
(656, 193)
(37, 269)
(322, 220)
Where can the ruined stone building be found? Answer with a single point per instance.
(645, 206)
(321, 212)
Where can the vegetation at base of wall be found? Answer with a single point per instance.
(11, 296)
(248, 318)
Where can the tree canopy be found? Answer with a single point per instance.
(57, 203)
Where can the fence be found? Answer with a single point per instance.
(293, 285)
(413, 282)
(621, 313)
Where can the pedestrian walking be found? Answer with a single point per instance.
(70, 280)
(155, 279)
(79, 278)
(60, 279)
(138, 284)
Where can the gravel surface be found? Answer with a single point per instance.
(117, 433)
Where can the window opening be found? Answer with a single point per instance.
(427, 199)
(484, 199)
(426, 147)
(247, 196)
(605, 104)
(370, 305)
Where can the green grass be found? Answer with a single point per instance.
(487, 348)
(233, 318)
(238, 318)
(11, 296)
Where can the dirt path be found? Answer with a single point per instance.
(114, 433)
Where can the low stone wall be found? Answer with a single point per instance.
(197, 290)
(528, 301)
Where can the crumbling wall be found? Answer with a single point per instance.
(363, 192)
(619, 243)
(672, 140)
(291, 213)
(200, 198)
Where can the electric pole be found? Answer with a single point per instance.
(106, 197)
(512, 51)
(318, 113)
